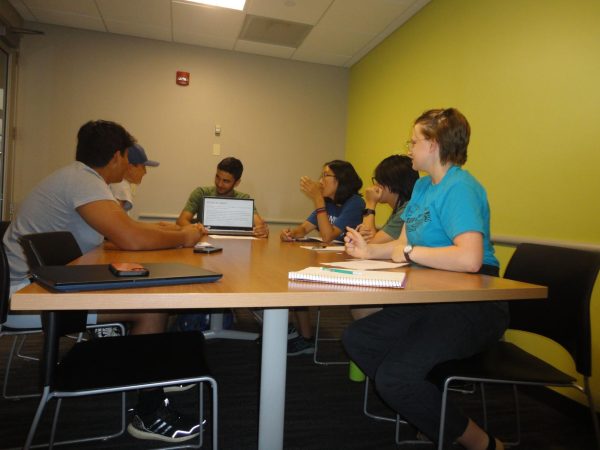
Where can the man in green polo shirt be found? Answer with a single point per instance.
(227, 178)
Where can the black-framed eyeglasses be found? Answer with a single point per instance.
(325, 175)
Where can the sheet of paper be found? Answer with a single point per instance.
(365, 264)
(215, 236)
(316, 239)
(329, 248)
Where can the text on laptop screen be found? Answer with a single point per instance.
(228, 212)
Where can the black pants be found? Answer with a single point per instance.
(399, 345)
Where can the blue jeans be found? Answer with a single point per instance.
(399, 345)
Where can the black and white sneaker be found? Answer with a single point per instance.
(106, 332)
(165, 424)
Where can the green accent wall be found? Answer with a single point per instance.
(526, 74)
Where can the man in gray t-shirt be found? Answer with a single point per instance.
(77, 198)
(52, 206)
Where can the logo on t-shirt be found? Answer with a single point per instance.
(416, 218)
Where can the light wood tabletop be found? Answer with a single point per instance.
(255, 274)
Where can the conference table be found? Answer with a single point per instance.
(255, 275)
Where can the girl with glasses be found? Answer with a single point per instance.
(393, 184)
(337, 205)
(447, 227)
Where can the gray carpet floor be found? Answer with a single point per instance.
(323, 407)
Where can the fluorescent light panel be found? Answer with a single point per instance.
(230, 4)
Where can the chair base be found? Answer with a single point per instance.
(59, 396)
(15, 350)
(320, 339)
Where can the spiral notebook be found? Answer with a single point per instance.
(378, 278)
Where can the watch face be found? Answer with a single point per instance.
(408, 249)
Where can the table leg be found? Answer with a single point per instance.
(216, 330)
(272, 379)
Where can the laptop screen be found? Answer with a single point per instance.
(228, 213)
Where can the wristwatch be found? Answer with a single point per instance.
(368, 211)
(407, 250)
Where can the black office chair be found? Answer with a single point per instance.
(19, 335)
(40, 249)
(55, 248)
(59, 248)
(119, 364)
(565, 318)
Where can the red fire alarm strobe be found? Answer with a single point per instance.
(183, 78)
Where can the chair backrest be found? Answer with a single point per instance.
(564, 317)
(4, 275)
(55, 248)
(3, 227)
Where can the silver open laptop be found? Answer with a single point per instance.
(228, 215)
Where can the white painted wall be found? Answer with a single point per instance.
(282, 118)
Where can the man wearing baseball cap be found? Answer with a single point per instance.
(136, 169)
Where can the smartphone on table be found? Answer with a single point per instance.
(124, 269)
(207, 249)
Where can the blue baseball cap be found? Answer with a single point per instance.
(137, 155)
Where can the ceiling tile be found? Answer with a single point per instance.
(139, 30)
(70, 20)
(321, 58)
(334, 40)
(143, 18)
(303, 11)
(264, 49)
(267, 30)
(204, 25)
(69, 13)
(205, 40)
(343, 30)
(363, 16)
(81, 7)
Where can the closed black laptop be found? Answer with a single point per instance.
(98, 276)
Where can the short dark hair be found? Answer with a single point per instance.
(233, 166)
(396, 173)
(450, 129)
(349, 183)
(98, 140)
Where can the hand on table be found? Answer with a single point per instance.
(286, 235)
(366, 232)
(261, 230)
(192, 234)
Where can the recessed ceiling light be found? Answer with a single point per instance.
(230, 4)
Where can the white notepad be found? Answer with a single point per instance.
(350, 277)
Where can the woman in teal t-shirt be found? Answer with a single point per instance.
(447, 226)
